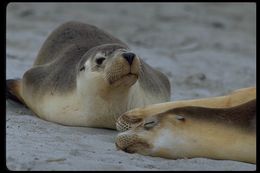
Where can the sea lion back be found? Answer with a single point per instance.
(79, 35)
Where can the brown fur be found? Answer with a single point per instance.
(216, 128)
(239, 116)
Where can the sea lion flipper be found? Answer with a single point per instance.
(13, 90)
(158, 82)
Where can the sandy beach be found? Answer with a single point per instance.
(205, 49)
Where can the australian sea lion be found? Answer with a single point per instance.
(195, 131)
(83, 76)
(136, 116)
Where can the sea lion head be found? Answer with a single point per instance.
(152, 135)
(192, 131)
(141, 137)
(114, 64)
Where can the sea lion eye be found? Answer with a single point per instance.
(100, 60)
(150, 123)
(180, 118)
(82, 68)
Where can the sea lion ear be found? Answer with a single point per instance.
(180, 117)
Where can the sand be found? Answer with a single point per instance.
(205, 49)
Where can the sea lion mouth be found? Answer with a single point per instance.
(124, 80)
(129, 75)
(130, 143)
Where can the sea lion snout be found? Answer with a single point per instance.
(130, 142)
(123, 70)
(125, 122)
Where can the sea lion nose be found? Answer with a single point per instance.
(129, 57)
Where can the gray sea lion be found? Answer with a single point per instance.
(227, 133)
(83, 76)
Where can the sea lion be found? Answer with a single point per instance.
(83, 76)
(194, 131)
(134, 117)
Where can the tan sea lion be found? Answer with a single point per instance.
(227, 133)
(136, 116)
(83, 76)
